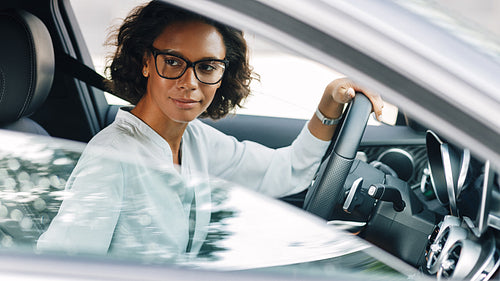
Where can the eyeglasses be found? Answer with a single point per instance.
(170, 66)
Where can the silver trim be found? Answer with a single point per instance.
(489, 264)
(402, 152)
(449, 221)
(426, 174)
(494, 221)
(354, 188)
(482, 222)
(481, 227)
(438, 231)
(448, 174)
(464, 169)
(462, 261)
(398, 150)
(447, 237)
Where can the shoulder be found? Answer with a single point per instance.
(111, 137)
(126, 130)
(118, 139)
(202, 131)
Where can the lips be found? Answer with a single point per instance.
(184, 103)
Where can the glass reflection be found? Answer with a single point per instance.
(246, 231)
(31, 186)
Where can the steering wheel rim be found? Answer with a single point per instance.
(326, 192)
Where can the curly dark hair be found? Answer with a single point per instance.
(136, 35)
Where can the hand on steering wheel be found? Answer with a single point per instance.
(326, 192)
(336, 94)
(343, 91)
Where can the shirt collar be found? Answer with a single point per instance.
(124, 116)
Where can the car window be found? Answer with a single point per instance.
(95, 19)
(33, 174)
(290, 85)
(274, 237)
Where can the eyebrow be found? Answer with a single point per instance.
(179, 54)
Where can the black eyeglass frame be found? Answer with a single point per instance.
(189, 64)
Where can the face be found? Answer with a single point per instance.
(182, 100)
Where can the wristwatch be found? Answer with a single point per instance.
(327, 121)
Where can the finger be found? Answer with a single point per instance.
(344, 94)
(377, 102)
(350, 93)
(378, 105)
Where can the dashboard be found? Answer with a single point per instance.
(463, 184)
(451, 223)
(451, 200)
(463, 244)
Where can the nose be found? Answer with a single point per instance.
(188, 80)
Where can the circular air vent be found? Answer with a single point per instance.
(400, 161)
(459, 260)
(444, 240)
(438, 230)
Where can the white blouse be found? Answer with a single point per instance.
(137, 204)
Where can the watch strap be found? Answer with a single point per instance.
(327, 121)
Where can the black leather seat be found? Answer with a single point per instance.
(26, 70)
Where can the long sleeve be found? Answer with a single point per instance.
(275, 172)
(88, 216)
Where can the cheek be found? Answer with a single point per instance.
(210, 94)
(213, 93)
(159, 85)
(208, 98)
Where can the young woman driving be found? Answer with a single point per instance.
(176, 66)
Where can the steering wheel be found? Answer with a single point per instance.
(327, 190)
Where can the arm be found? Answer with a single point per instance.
(279, 172)
(275, 172)
(331, 105)
(88, 215)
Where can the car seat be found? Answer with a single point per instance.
(29, 198)
(26, 70)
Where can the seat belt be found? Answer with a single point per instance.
(82, 72)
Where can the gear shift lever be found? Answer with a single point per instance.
(387, 193)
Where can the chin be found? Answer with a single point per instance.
(184, 118)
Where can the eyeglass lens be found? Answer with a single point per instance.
(207, 71)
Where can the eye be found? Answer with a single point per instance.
(210, 66)
(207, 67)
(172, 61)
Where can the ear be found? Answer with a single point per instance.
(145, 65)
(145, 71)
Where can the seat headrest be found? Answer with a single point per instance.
(26, 64)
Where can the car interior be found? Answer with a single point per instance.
(48, 88)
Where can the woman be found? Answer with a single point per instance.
(176, 66)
